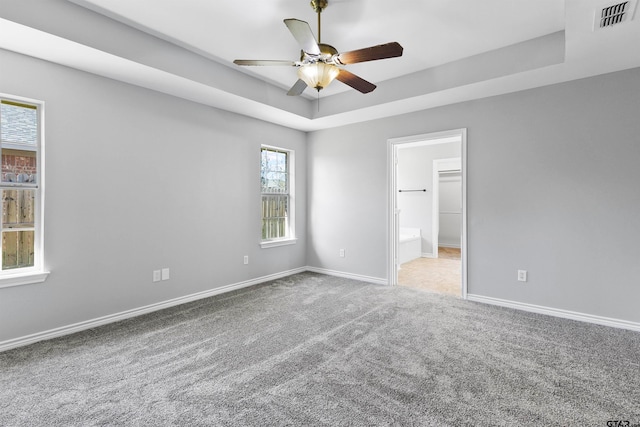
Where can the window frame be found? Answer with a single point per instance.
(36, 273)
(290, 238)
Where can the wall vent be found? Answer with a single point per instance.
(612, 14)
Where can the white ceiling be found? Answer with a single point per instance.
(432, 32)
(453, 50)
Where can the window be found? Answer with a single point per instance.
(276, 177)
(20, 192)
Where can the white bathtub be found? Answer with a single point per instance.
(409, 244)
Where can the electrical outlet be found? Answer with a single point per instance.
(157, 275)
(341, 253)
(246, 259)
(522, 275)
(165, 274)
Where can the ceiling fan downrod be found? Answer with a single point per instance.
(319, 6)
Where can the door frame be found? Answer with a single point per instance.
(393, 145)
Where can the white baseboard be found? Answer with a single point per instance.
(446, 245)
(427, 255)
(81, 326)
(375, 280)
(566, 314)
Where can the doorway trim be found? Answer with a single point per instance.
(393, 145)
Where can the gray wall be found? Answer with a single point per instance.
(137, 181)
(552, 188)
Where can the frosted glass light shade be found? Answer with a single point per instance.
(318, 75)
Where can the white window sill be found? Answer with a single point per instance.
(23, 278)
(274, 243)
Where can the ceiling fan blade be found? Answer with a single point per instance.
(297, 88)
(303, 34)
(358, 83)
(262, 62)
(383, 51)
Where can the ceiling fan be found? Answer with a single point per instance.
(321, 63)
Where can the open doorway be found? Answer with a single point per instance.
(427, 224)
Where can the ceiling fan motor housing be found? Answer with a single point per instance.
(327, 54)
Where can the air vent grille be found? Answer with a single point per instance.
(614, 14)
(608, 15)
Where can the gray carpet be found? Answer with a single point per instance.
(318, 350)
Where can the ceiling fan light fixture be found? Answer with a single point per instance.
(319, 62)
(318, 75)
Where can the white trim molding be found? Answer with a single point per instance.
(556, 312)
(92, 323)
(25, 278)
(361, 278)
(88, 324)
(275, 243)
